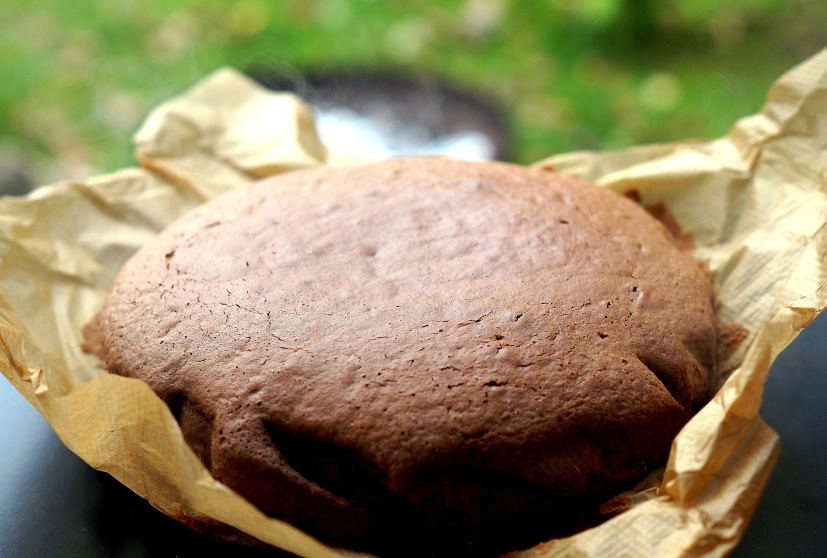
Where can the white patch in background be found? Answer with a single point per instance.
(344, 131)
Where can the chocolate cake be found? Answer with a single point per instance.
(419, 356)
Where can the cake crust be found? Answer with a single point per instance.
(420, 353)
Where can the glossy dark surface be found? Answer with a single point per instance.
(54, 505)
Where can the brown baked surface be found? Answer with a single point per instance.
(419, 353)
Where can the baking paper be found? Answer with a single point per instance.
(753, 201)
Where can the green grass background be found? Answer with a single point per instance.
(77, 77)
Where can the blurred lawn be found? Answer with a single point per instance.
(77, 78)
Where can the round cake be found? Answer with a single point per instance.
(419, 356)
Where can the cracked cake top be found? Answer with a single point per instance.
(479, 351)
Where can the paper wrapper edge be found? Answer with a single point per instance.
(754, 200)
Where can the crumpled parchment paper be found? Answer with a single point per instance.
(755, 203)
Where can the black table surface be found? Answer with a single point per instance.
(54, 505)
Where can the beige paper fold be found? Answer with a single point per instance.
(755, 202)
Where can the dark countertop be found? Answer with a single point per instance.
(54, 505)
